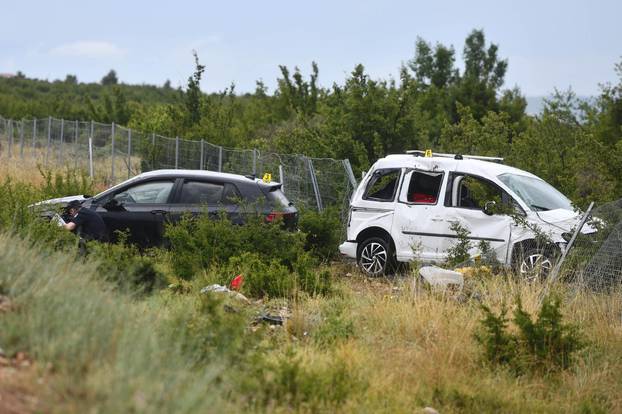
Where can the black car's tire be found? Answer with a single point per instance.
(375, 257)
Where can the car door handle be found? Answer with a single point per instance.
(158, 212)
(437, 218)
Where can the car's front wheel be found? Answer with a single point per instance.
(375, 257)
(535, 264)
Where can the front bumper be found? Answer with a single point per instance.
(348, 248)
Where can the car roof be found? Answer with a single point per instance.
(466, 165)
(195, 173)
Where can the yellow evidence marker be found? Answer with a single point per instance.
(428, 153)
(267, 177)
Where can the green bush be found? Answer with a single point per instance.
(197, 243)
(323, 232)
(546, 344)
(289, 383)
(335, 326)
(125, 266)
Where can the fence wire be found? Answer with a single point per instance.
(112, 153)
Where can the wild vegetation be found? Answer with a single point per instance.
(123, 330)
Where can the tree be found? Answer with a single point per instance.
(110, 78)
(71, 79)
(193, 94)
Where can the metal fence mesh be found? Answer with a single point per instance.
(112, 153)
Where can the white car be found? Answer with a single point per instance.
(406, 206)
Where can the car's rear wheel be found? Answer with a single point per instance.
(375, 257)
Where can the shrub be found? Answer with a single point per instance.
(125, 266)
(197, 243)
(546, 344)
(459, 252)
(289, 382)
(335, 326)
(322, 232)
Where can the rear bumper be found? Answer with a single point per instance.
(348, 248)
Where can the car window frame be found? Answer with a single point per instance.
(176, 201)
(403, 183)
(109, 195)
(395, 189)
(448, 190)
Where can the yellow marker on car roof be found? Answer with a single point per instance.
(428, 153)
(267, 177)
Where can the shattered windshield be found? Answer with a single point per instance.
(536, 193)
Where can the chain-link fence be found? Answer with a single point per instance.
(112, 153)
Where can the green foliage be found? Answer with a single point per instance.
(323, 232)
(272, 260)
(196, 243)
(287, 381)
(336, 326)
(459, 252)
(125, 266)
(544, 344)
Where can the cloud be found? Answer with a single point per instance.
(88, 49)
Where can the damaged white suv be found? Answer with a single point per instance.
(407, 206)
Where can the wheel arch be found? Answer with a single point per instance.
(375, 232)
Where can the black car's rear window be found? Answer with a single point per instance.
(278, 198)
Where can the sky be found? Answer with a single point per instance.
(549, 44)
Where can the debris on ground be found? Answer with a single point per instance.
(442, 278)
(223, 289)
(5, 304)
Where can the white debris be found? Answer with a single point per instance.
(441, 278)
(223, 289)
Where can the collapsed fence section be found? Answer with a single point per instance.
(113, 153)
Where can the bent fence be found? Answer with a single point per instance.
(113, 153)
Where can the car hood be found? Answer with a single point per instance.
(565, 219)
(61, 201)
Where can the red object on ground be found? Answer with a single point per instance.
(237, 281)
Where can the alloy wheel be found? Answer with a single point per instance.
(374, 258)
(535, 266)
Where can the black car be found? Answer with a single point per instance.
(143, 204)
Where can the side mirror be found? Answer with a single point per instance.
(489, 208)
(114, 205)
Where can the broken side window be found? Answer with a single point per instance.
(382, 185)
(424, 187)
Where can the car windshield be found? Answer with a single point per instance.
(536, 193)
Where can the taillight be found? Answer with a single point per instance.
(275, 215)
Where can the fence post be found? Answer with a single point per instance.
(316, 188)
(112, 155)
(34, 138)
(10, 139)
(21, 140)
(91, 152)
(202, 154)
(47, 151)
(129, 153)
(281, 180)
(152, 161)
(349, 172)
(176, 152)
(75, 143)
(62, 131)
(254, 162)
(219, 159)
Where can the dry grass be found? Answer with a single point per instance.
(416, 348)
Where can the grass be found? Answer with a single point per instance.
(369, 345)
